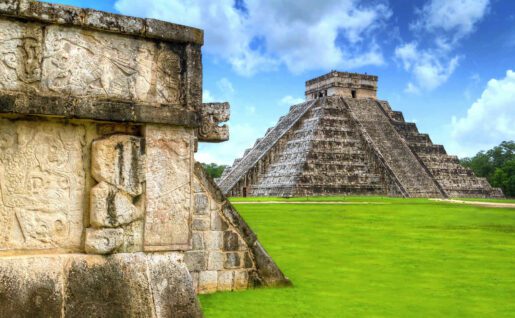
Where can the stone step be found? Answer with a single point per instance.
(398, 156)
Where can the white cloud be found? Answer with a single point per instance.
(456, 17)
(207, 97)
(489, 120)
(225, 86)
(225, 91)
(439, 27)
(429, 69)
(290, 100)
(301, 34)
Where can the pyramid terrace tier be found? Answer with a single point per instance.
(349, 146)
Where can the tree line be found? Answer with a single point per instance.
(214, 170)
(497, 165)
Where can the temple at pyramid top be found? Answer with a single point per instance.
(344, 84)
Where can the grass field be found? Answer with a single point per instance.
(400, 258)
(387, 200)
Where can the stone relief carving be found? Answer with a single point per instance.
(212, 115)
(118, 160)
(91, 63)
(20, 54)
(168, 192)
(87, 63)
(116, 209)
(41, 185)
(168, 66)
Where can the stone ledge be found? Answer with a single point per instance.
(98, 20)
(77, 285)
(95, 109)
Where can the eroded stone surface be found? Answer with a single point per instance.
(42, 180)
(214, 114)
(223, 257)
(118, 160)
(103, 241)
(20, 61)
(168, 193)
(87, 63)
(111, 207)
(122, 285)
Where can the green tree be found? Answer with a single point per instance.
(214, 170)
(504, 178)
(497, 165)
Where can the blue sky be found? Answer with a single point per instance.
(446, 64)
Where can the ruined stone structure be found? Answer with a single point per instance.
(343, 141)
(103, 210)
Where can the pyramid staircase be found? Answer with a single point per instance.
(335, 145)
(454, 179)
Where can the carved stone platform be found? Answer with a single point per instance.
(103, 210)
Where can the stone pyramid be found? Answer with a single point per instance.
(343, 141)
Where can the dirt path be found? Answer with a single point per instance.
(307, 202)
(479, 203)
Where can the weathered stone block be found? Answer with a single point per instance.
(194, 278)
(113, 22)
(208, 281)
(197, 188)
(132, 237)
(172, 288)
(217, 223)
(225, 280)
(107, 289)
(31, 286)
(248, 261)
(201, 203)
(111, 207)
(200, 224)
(122, 285)
(241, 280)
(197, 241)
(168, 192)
(215, 261)
(17, 43)
(213, 240)
(232, 260)
(231, 241)
(103, 241)
(118, 160)
(195, 260)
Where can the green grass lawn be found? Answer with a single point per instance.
(406, 258)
